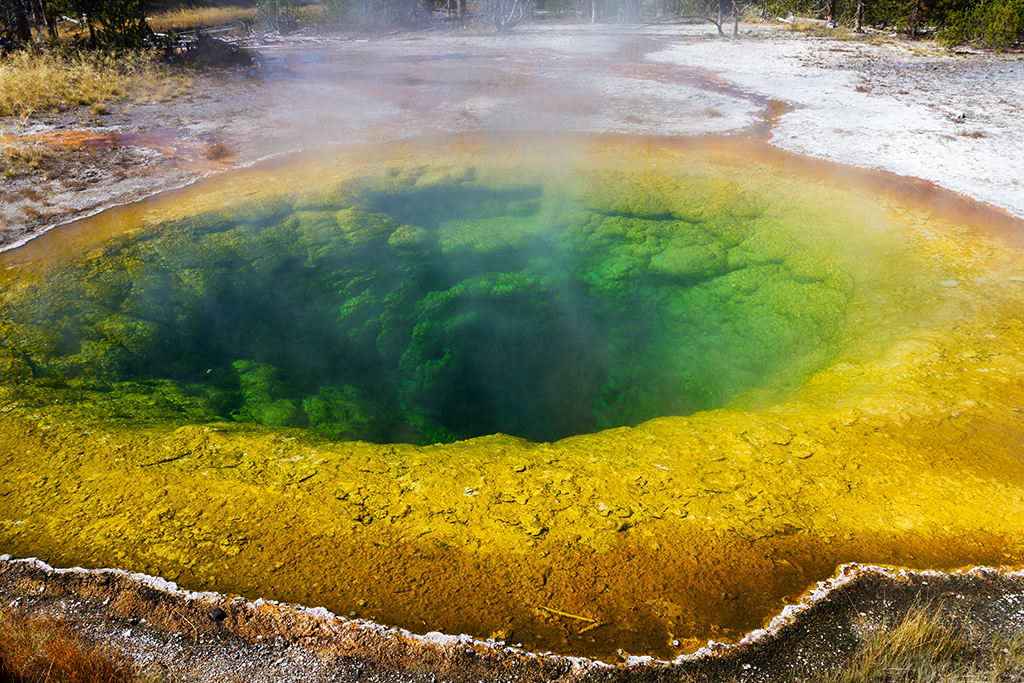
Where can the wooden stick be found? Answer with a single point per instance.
(566, 614)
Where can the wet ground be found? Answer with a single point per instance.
(879, 102)
(187, 637)
(898, 448)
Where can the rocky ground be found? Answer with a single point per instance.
(878, 102)
(178, 636)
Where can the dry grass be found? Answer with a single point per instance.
(45, 649)
(217, 151)
(930, 645)
(192, 18)
(31, 82)
(18, 158)
(820, 29)
(927, 645)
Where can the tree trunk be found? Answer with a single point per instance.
(22, 27)
(92, 32)
(51, 25)
(735, 18)
(858, 18)
(919, 17)
(922, 11)
(462, 13)
(38, 17)
(831, 13)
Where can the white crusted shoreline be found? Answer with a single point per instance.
(320, 652)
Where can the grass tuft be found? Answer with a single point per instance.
(190, 18)
(18, 158)
(217, 151)
(45, 649)
(32, 81)
(818, 28)
(931, 645)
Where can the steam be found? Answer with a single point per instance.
(566, 78)
(441, 302)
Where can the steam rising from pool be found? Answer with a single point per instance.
(435, 303)
(186, 381)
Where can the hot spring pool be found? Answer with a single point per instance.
(611, 395)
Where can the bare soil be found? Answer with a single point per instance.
(174, 635)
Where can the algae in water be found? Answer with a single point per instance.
(438, 305)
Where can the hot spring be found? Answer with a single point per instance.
(609, 396)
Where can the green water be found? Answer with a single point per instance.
(424, 306)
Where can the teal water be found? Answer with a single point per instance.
(432, 306)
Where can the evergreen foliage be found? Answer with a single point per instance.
(111, 24)
(989, 22)
(121, 24)
(985, 22)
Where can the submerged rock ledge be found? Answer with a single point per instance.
(900, 449)
(187, 636)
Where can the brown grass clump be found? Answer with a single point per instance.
(820, 29)
(45, 649)
(43, 81)
(17, 158)
(931, 645)
(217, 151)
(192, 18)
